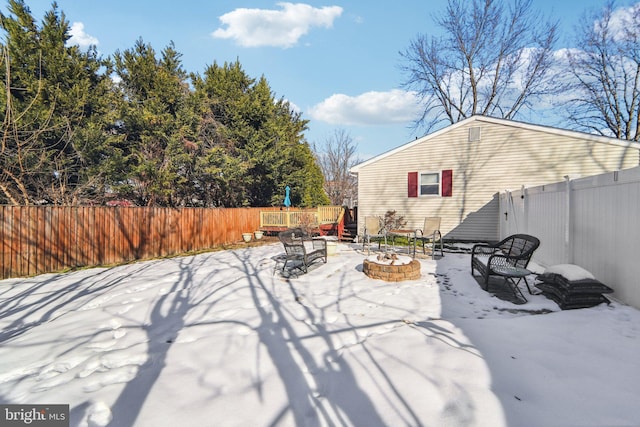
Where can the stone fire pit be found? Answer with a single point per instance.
(391, 267)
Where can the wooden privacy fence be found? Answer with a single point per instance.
(43, 239)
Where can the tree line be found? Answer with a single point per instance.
(138, 128)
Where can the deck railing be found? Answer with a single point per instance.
(297, 217)
(330, 214)
(288, 218)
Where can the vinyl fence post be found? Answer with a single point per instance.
(525, 209)
(568, 235)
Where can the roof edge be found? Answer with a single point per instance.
(507, 122)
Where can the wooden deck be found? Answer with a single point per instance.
(325, 220)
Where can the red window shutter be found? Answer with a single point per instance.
(447, 183)
(412, 184)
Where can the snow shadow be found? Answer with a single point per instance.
(41, 299)
(307, 376)
(223, 338)
(536, 354)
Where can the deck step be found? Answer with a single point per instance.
(349, 234)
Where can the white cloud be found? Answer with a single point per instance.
(564, 53)
(79, 37)
(280, 28)
(370, 108)
(622, 20)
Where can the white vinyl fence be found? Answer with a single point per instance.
(593, 222)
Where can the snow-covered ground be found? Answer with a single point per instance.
(218, 339)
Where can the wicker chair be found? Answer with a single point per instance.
(294, 240)
(507, 259)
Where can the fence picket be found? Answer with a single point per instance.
(591, 222)
(44, 239)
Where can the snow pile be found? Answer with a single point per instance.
(570, 272)
(390, 259)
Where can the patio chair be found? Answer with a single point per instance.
(296, 251)
(373, 228)
(430, 233)
(508, 259)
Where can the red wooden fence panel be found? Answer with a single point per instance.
(43, 239)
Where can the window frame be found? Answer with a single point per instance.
(437, 184)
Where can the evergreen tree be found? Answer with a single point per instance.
(262, 135)
(156, 145)
(221, 168)
(54, 100)
(71, 135)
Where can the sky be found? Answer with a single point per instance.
(222, 339)
(337, 62)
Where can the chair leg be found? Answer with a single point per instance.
(437, 238)
(486, 281)
(529, 289)
(513, 284)
(414, 246)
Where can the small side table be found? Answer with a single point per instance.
(409, 234)
(513, 276)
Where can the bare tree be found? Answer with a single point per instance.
(32, 171)
(494, 59)
(606, 68)
(335, 159)
(21, 157)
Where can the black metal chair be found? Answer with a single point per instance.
(507, 259)
(294, 240)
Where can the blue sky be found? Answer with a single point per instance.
(338, 62)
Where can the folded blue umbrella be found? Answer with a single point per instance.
(287, 200)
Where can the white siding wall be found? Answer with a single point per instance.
(600, 232)
(506, 157)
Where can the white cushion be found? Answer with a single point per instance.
(570, 272)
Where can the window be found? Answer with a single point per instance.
(429, 183)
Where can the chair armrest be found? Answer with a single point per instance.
(319, 244)
(483, 249)
(501, 260)
(435, 236)
(419, 233)
(498, 260)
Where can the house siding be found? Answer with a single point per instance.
(505, 158)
